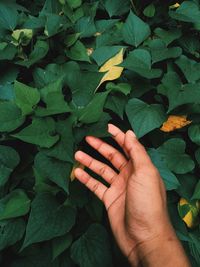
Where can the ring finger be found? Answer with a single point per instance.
(98, 167)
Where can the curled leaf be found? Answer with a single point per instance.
(174, 122)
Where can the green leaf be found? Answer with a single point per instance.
(55, 104)
(115, 7)
(190, 68)
(168, 36)
(74, 3)
(160, 52)
(60, 244)
(92, 248)
(78, 52)
(10, 117)
(188, 12)
(9, 159)
(194, 133)
(139, 61)
(7, 51)
(93, 111)
(54, 170)
(104, 53)
(135, 31)
(26, 97)
(173, 154)
(8, 17)
(124, 88)
(40, 132)
(178, 93)
(48, 219)
(11, 232)
(144, 117)
(149, 11)
(197, 155)
(53, 23)
(168, 177)
(14, 205)
(117, 104)
(40, 50)
(187, 185)
(64, 148)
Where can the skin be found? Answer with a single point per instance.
(135, 200)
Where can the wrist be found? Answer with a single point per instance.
(164, 250)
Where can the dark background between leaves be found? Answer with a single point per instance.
(45, 219)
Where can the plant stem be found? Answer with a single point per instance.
(134, 7)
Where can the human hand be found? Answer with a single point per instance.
(136, 198)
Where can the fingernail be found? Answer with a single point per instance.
(131, 133)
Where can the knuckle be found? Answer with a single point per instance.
(95, 187)
(102, 170)
(122, 165)
(111, 156)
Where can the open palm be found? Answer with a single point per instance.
(129, 197)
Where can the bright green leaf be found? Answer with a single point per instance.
(26, 97)
(40, 132)
(173, 154)
(144, 117)
(14, 205)
(48, 219)
(10, 117)
(135, 31)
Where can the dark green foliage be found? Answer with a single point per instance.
(50, 99)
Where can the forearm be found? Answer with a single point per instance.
(165, 251)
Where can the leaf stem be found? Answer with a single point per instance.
(134, 7)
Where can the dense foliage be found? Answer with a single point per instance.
(59, 83)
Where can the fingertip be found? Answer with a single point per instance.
(131, 134)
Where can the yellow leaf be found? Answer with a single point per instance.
(174, 6)
(113, 72)
(174, 122)
(76, 165)
(191, 218)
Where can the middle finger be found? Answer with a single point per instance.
(97, 166)
(110, 153)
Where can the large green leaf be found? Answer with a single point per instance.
(190, 68)
(115, 7)
(93, 111)
(78, 52)
(40, 132)
(173, 154)
(64, 148)
(11, 232)
(8, 17)
(26, 97)
(14, 205)
(144, 117)
(160, 52)
(10, 117)
(48, 219)
(55, 170)
(170, 180)
(9, 159)
(178, 93)
(60, 244)
(92, 248)
(139, 61)
(188, 12)
(135, 31)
